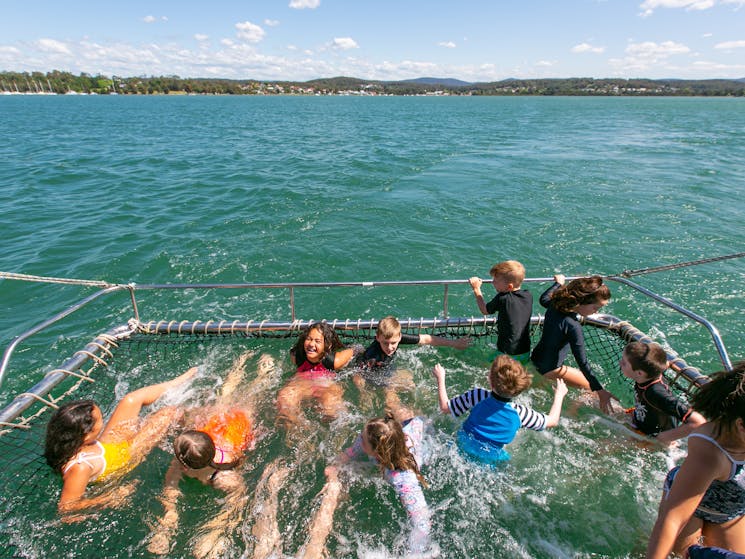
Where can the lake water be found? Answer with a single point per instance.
(283, 189)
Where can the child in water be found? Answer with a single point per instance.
(318, 354)
(704, 497)
(657, 412)
(376, 363)
(211, 452)
(82, 449)
(494, 420)
(562, 330)
(513, 305)
(395, 444)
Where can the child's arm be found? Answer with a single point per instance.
(476, 286)
(73, 488)
(560, 390)
(160, 544)
(457, 343)
(343, 357)
(442, 392)
(693, 420)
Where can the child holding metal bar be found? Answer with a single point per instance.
(562, 331)
(514, 306)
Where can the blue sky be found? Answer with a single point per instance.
(471, 40)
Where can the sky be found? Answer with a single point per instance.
(300, 40)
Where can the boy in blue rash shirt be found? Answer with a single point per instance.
(514, 306)
(494, 420)
(657, 411)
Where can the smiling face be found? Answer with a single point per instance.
(314, 345)
(388, 345)
(591, 308)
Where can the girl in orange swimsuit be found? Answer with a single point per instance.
(82, 449)
(212, 452)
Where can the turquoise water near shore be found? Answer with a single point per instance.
(279, 189)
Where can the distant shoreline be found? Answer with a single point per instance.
(64, 83)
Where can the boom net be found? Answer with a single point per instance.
(135, 354)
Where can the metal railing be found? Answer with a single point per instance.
(291, 287)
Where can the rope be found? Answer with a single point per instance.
(639, 272)
(69, 281)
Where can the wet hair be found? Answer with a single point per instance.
(66, 431)
(580, 291)
(510, 270)
(194, 449)
(507, 377)
(389, 327)
(331, 341)
(722, 399)
(386, 438)
(649, 358)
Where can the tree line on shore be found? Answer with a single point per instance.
(57, 82)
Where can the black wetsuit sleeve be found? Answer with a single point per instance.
(666, 402)
(409, 339)
(545, 299)
(328, 361)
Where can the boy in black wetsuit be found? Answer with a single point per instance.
(514, 306)
(376, 363)
(658, 412)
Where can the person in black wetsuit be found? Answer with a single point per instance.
(562, 330)
(376, 364)
(513, 305)
(657, 411)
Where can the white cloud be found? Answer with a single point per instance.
(649, 6)
(149, 19)
(586, 47)
(344, 43)
(201, 37)
(302, 4)
(271, 22)
(52, 46)
(249, 32)
(446, 44)
(656, 51)
(730, 45)
(648, 57)
(544, 63)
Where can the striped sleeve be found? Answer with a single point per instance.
(464, 402)
(529, 418)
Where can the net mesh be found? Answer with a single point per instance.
(26, 478)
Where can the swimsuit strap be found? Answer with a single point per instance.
(735, 463)
(83, 457)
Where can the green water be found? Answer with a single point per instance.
(278, 189)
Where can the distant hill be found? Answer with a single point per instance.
(447, 82)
